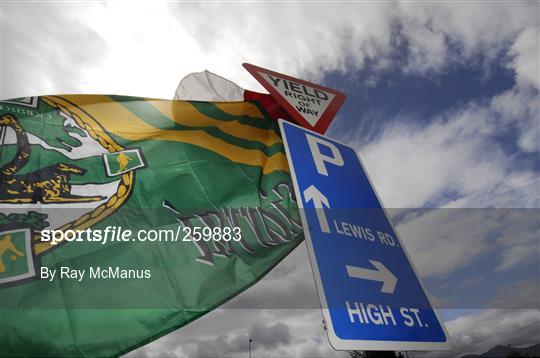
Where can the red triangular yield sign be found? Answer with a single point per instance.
(312, 105)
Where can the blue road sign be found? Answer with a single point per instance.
(370, 293)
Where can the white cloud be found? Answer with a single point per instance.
(145, 48)
(526, 64)
(482, 330)
(46, 49)
(520, 108)
(453, 161)
(443, 240)
(520, 239)
(456, 162)
(519, 295)
(226, 333)
(459, 32)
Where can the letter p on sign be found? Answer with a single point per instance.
(319, 158)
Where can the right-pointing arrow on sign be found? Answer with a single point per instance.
(381, 274)
(318, 198)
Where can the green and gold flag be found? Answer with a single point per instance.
(125, 218)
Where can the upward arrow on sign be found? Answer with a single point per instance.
(318, 198)
(312, 105)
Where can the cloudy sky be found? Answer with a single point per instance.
(443, 107)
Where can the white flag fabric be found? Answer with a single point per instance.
(207, 86)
